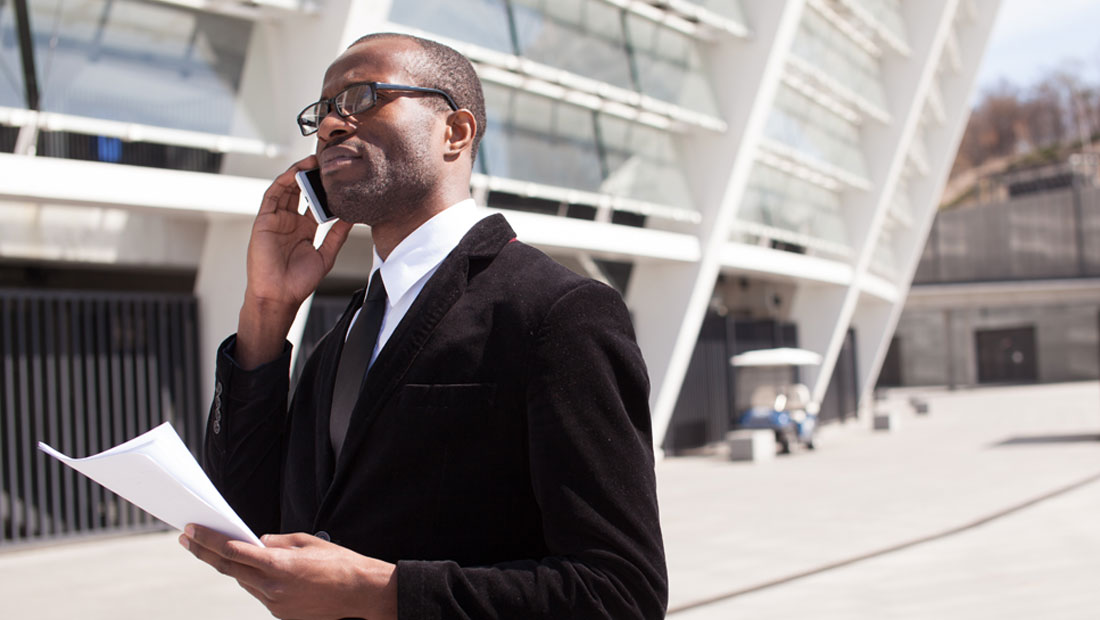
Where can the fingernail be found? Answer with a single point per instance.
(185, 543)
(190, 531)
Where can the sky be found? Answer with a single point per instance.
(1031, 36)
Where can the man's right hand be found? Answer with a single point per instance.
(283, 268)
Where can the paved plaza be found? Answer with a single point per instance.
(987, 507)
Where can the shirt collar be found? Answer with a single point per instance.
(425, 248)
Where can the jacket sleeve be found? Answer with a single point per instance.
(592, 469)
(243, 447)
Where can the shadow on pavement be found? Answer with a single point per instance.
(1048, 439)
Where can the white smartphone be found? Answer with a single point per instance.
(316, 199)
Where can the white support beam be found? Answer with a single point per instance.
(550, 232)
(36, 179)
(670, 300)
(956, 90)
(132, 132)
(907, 81)
(768, 263)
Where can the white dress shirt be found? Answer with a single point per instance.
(413, 262)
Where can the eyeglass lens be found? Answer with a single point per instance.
(353, 100)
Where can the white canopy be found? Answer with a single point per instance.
(784, 356)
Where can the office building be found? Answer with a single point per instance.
(768, 167)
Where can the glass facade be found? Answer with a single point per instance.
(779, 200)
(888, 14)
(536, 139)
(590, 38)
(540, 140)
(140, 62)
(641, 163)
(584, 37)
(803, 124)
(11, 68)
(481, 22)
(730, 9)
(824, 46)
(533, 138)
(669, 66)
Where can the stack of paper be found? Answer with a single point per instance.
(156, 472)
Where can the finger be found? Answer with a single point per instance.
(283, 191)
(235, 551)
(334, 240)
(240, 572)
(296, 540)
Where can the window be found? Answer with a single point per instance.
(481, 22)
(801, 123)
(533, 138)
(669, 66)
(11, 68)
(642, 164)
(139, 62)
(828, 49)
(782, 201)
(584, 37)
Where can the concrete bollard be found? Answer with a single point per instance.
(887, 420)
(756, 445)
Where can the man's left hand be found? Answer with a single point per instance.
(300, 576)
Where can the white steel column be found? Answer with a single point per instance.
(907, 81)
(925, 192)
(670, 300)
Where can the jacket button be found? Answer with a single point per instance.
(323, 535)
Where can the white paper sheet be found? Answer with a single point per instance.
(157, 473)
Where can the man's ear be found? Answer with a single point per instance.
(461, 129)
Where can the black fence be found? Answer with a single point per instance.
(83, 372)
(324, 312)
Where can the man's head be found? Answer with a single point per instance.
(441, 67)
(411, 153)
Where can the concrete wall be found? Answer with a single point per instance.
(938, 345)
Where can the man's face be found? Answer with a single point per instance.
(380, 165)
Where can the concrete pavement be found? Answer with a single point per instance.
(1023, 460)
(989, 507)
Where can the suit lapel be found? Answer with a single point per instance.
(445, 287)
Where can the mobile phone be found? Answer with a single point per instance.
(316, 199)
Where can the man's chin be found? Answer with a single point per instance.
(356, 209)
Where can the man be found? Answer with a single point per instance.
(495, 461)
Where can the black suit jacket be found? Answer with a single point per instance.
(500, 452)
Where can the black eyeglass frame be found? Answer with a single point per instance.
(374, 88)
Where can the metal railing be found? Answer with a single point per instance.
(84, 371)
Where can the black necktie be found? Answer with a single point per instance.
(354, 360)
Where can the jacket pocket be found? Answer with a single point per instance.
(450, 397)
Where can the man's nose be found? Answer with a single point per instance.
(333, 125)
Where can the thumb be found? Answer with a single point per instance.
(288, 541)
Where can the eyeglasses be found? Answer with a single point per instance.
(355, 99)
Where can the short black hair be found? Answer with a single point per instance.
(444, 68)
